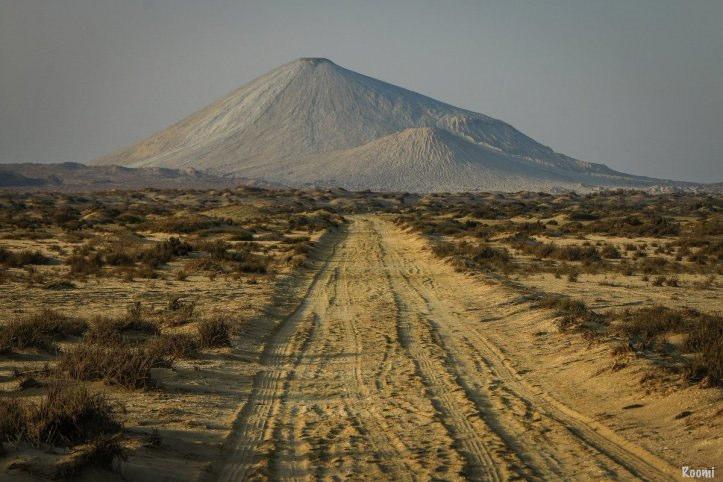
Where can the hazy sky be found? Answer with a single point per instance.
(636, 84)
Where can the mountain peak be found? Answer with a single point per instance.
(314, 60)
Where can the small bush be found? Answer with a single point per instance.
(12, 423)
(84, 265)
(69, 415)
(647, 328)
(214, 332)
(610, 252)
(645, 325)
(163, 252)
(112, 331)
(104, 331)
(22, 258)
(103, 452)
(474, 255)
(705, 339)
(128, 366)
(673, 282)
(66, 416)
(40, 331)
(176, 312)
(707, 365)
(573, 314)
(180, 345)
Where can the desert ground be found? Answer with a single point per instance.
(253, 334)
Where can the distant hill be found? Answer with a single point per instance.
(71, 176)
(312, 122)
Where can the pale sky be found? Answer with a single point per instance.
(636, 84)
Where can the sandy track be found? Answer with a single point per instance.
(384, 372)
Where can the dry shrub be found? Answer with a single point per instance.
(163, 252)
(59, 285)
(176, 312)
(85, 264)
(242, 235)
(40, 331)
(573, 314)
(202, 264)
(585, 254)
(12, 424)
(467, 255)
(647, 328)
(112, 331)
(126, 366)
(22, 258)
(186, 224)
(66, 416)
(254, 264)
(104, 331)
(610, 252)
(705, 339)
(69, 415)
(214, 332)
(103, 452)
(178, 345)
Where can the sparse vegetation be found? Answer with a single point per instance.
(649, 328)
(172, 346)
(40, 331)
(67, 415)
(22, 258)
(214, 332)
(145, 286)
(125, 366)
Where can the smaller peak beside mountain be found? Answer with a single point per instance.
(427, 134)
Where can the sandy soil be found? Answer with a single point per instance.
(393, 366)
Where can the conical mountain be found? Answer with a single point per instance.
(312, 122)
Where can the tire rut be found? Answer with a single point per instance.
(383, 372)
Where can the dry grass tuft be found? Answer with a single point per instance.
(66, 416)
(180, 345)
(214, 332)
(126, 366)
(40, 331)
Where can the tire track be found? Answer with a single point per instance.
(457, 412)
(255, 420)
(583, 439)
(383, 372)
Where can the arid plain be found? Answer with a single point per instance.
(278, 334)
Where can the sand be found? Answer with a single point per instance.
(393, 366)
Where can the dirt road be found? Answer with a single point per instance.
(384, 372)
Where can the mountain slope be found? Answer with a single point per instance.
(311, 114)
